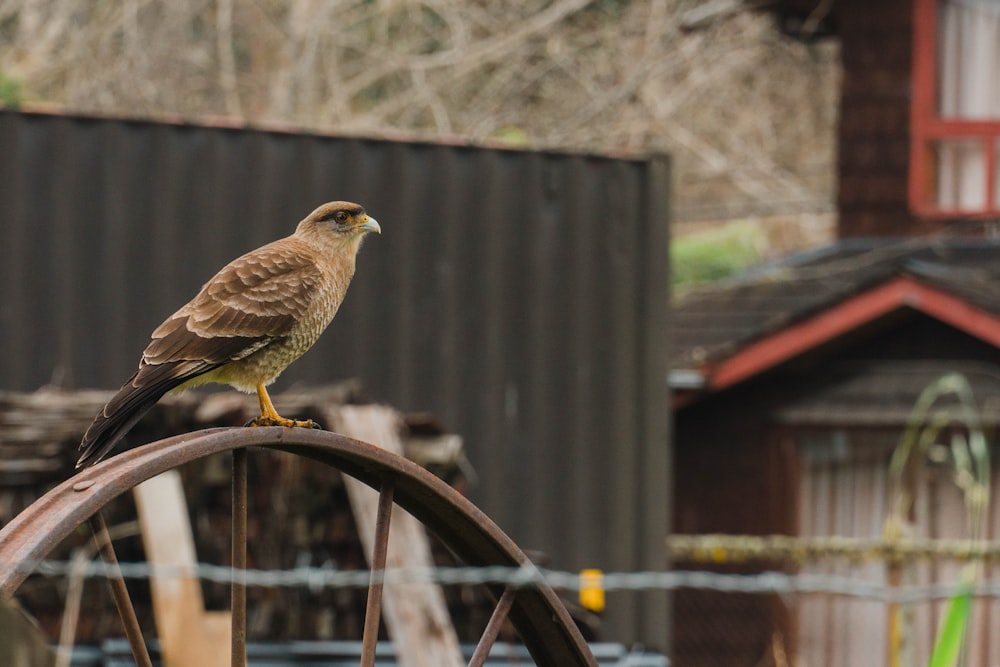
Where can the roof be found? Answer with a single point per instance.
(883, 393)
(237, 123)
(733, 330)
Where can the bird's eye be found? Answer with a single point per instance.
(342, 216)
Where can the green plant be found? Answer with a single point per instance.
(954, 621)
(11, 91)
(969, 454)
(715, 254)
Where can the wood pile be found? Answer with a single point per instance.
(299, 514)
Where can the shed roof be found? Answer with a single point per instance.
(883, 393)
(730, 331)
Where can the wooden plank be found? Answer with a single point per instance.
(415, 613)
(188, 634)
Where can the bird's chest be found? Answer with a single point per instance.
(266, 364)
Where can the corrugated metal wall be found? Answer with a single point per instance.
(521, 296)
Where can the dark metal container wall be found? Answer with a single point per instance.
(521, 296)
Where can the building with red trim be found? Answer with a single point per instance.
(793, 383)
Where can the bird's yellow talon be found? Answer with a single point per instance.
(264, 420)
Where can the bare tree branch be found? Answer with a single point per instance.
(227, 63)
(747, 113)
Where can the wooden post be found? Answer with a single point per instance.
(415, 613)
(188, 634)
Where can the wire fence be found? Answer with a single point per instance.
(317, 578)
(771, 617)
(735, 600)
(833, 601)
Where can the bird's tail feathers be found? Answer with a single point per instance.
(132, 401)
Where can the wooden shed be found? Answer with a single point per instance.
(793, 385)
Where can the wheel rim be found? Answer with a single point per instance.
(537, 614)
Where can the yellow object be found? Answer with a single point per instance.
(592, 590)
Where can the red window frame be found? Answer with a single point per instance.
(927, 127)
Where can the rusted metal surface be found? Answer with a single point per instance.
(238, 635)
(119, 591)
(492, 630)
(540, 618)
(373, 608)
(519, 295)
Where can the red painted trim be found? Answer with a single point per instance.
(902, 292)
(926, 125)
(922, 98)
(940, 128)
(990, 147)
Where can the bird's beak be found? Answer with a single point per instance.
(370, 225)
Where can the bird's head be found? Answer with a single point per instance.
(338, 221)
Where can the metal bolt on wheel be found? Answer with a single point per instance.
(536, 613)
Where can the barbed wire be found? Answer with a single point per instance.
(318, 578)
(720, 548)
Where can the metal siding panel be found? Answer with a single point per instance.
(435, 331)
(280, 196)
(623, 473)
(569, 337)
(14, 319)
(409, 246)
(65, 231)
(517, 362)
(535, 303)
(498, 448)
(129, 190)
(169, 170)
(593, 392)
(365, 319)
(12, 230)
(460, 355)
(239, 174)
(38, 272)
(652, 399)
(94, 359)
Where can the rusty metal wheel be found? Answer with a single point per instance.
(535, 611)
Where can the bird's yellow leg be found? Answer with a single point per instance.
(270, 417)
(267, 410)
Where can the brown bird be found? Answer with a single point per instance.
(257, 315)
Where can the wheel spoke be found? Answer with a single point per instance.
(492, 630)
(239, 589)
(373, 611)
(120, 592)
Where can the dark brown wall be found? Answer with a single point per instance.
(733, 476)
(876, 44)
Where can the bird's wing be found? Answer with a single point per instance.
(251, 302)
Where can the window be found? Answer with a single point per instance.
(955, 114)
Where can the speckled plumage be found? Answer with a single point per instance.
(251, 320)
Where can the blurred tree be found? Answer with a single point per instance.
(747, 112)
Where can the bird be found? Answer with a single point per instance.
(252, 319)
